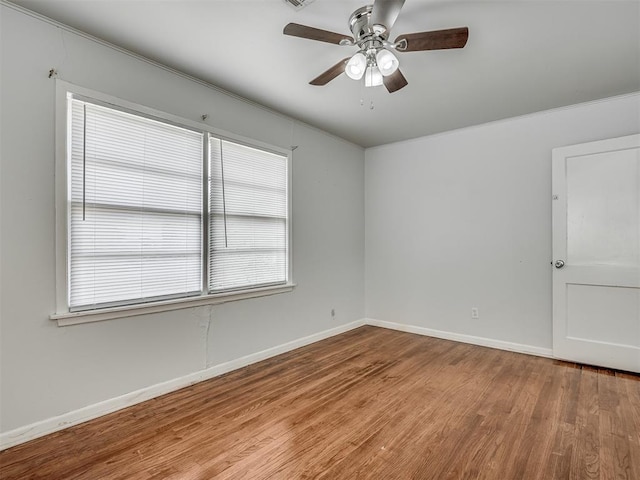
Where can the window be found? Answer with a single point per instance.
(135, 208)
(160, 210)
(248, 217)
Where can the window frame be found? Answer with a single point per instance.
(62, 210)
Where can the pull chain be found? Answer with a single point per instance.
(363, 90)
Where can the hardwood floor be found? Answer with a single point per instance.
(368, 404)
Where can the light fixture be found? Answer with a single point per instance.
(373, 65)
(372, 77)
(387, 62)
(356, 66)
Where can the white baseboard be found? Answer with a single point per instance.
(460, 337)
(60, 422)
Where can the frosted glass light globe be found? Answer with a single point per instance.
(356, 66)
(387, 62)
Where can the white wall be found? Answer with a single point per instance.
(463, 219)
(48, 370)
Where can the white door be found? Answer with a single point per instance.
(596, 253)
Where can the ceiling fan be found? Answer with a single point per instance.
(370, 26)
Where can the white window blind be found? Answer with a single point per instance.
(135, 230)
(248, 224)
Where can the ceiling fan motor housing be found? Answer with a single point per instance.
(362, 29)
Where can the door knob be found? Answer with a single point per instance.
(559, 263)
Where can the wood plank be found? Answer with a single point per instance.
(585, 462)
(371, 403)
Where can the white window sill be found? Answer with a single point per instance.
(74, 318)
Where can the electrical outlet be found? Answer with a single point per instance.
(475, 313)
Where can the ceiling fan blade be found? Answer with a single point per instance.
(385, 12)
(395, 81)
(303, 31)
(435, 40)
(328, 75)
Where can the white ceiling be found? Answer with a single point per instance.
(522, 56)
